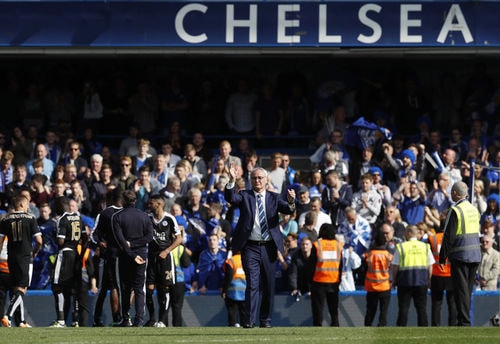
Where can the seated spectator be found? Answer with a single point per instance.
(489, 268)
(321, 216)
(488, 228)
(288, 225)
(392, 216)
(492, 212)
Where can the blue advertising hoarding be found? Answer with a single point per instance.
(343, 24)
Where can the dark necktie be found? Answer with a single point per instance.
(264, 231)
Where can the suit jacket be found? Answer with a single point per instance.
(245, 200)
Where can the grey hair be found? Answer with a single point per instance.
(461, 189)
(263, 170)
(96, 157)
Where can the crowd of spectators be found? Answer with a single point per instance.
(56, 144)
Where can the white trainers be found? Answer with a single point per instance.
(58, 324)
(24, 324)
(6, 321)
(75, 324)
(159, 324)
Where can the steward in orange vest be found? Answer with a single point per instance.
(440, 282)
(377, 282)
(326, 278)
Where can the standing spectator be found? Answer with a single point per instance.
(321, 216)
(210, 264)
(387, 231)
(367, 202)
(289, 171)
(160, 172)
(439, 197)
(161, 268)
(144, 188)
(201, 150)
(350, 261)
(276, 173)
(461, 247)
(411, 274)
(233, 291)
(143, 157)
(73, 157)
(288, 225)
(356, 231)
(48, 165)
(441, 282)
(20, 254)
(6, 171)
(377, 282)
(301, 269)
(489, 269)
(303, 203)
(174, 104)
(327, 275)
(133, 232)
(126, 179)
(411, 203)
(54, 151)
(392, 216)
(317, 186)
(336, 197)
(258, 237)
(225, 154)
(198, 165)
(18, 183)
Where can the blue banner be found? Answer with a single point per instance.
(250, 24)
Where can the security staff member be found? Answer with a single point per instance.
(411, 274)
(441, 282)
(326, 278)
(377, 282)
(461, 247)
(133, 231)
(233, 290)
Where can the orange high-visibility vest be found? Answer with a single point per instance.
(377, 278)
(435, 241)
(329, 253)
(4, 265)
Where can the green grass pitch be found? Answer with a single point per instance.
(276, 335)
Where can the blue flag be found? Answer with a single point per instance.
(363, 134)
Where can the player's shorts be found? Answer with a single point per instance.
(21, 270)
(68, 269)
(160, 272)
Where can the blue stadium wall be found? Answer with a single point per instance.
(257, 24)
(209, 310)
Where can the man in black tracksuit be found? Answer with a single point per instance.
(133, 232)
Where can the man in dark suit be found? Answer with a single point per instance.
(257, 236)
